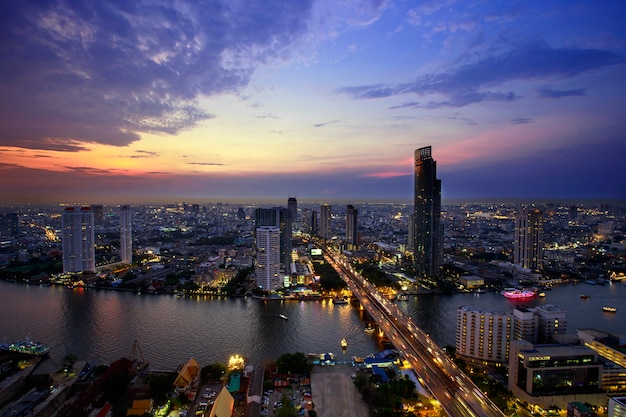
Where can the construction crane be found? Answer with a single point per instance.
(142, 365)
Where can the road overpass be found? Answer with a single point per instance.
(457, 394)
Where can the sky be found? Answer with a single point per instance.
(165, 100)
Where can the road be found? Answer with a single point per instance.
(457, 394)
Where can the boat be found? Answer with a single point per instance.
(28, 348)
(344, 343)
(369, 329)
(402, 297)
(590, 282)
(609, 309)
(584, 296)
(282, 316)
(542, 294)
(518, 294)
(340, 300)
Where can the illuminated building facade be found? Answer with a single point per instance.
(555, 374)
(126, 235)
(428, 230)
(483, 337)
(79, 251)
(267, 266)
(528, 243)
(277, 217)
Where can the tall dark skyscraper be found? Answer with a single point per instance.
(292, 206)
(126, 235)
(314, 226)
(325, 215)
(427, 227)
(352, 237)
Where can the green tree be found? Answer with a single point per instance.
(296, 363)
(213, 372)
(68, 363)
(159, 386)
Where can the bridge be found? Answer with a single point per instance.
(457, 394)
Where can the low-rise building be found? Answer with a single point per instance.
(555, 375)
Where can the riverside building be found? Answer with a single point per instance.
(79, 251)
(555, 375)
(483, 337)
(267, 268)
(126, 235)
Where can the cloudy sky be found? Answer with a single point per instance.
(124, 101)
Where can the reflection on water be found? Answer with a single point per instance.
(436, 314)
(102, 325)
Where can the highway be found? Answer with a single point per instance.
(457, 394)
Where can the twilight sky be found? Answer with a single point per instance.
(123, 101)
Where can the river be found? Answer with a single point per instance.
(103, 325)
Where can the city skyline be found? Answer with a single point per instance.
(218, 100)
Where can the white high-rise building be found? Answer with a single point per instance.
(126, 235)
(79, 250)
(483, 337)
(268, 257)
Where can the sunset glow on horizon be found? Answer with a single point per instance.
(212, 99)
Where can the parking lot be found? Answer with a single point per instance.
(334, 393)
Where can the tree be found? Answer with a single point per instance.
(212, 372)
(159, 386)
(68, 363)
(296, 363)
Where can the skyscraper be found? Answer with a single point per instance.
(428, 230)
(268, 257)
(314, 226)
(325, 213)
(278, 217)
(352, 238)
(79, 251)
(528, 244)
(126, 236)
(292, 206)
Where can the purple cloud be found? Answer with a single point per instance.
(548, 92)
(522, 62)
(102, 72)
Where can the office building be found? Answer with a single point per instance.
(126, 235)
(79, 251)
(314, 225)
(554, 375)
(292, 206)
(541, 324)
(352, 234)
(278, 217)
(528, 243)
(268, 258)
(483, 337)
(611, 349)
(428, 230)
(551, 322)
(325, 224)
